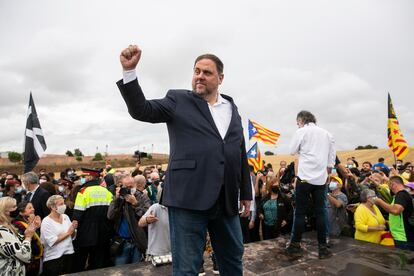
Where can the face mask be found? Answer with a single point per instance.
(42, 181)
(61, 209)
(133, 190)
(61, 189)
(19, 190)
(83, 180)
(349, 166)
(275, 190)
(333, 186)
(1, 194)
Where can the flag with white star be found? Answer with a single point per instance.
(259, 132)
(254, 158)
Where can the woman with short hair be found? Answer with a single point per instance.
(57, 232)
(13, 252)
(369, 222)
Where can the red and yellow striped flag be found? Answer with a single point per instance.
(254, 158)
(396, 140)
(263, 134)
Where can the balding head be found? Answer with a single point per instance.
(129, 182)
(140, 182)
(155, 176)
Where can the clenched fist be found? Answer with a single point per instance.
(130, 57)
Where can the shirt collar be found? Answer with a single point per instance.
(220, 100)
(35, 189)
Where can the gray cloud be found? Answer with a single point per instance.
(336, 59)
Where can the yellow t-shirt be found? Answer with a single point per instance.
(363, 218)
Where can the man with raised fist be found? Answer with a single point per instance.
(207, 168)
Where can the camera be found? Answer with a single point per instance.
(124, 191)
(285, 188)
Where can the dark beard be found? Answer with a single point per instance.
(204, 95)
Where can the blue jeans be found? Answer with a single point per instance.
(188, 229)
(327, 226)
(130, 254)
(304, 192)
(404, 245)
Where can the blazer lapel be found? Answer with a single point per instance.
(202, 105)
(233, 114)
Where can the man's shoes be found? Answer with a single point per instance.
(324, 253)
(215, 266)
(202, 272)
(328, 242)
(294, 249)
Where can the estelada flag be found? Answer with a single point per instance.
(261, 133)
(396, 140)
(254, 158)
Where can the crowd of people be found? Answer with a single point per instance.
(100, 218)
(372, 203)
(89, 220)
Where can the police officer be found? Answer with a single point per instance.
(94, 229)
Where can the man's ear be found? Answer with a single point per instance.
(221, 77)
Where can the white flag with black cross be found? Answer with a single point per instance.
(35, 144)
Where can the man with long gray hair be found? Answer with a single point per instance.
(315, 148)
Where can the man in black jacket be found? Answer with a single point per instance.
(128, 206)
(207, 167)
(36, 194)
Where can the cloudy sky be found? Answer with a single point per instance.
(337, 59)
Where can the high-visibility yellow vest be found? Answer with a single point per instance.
(92, 196)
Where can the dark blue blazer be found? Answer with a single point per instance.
(200, 162)
(39, 202)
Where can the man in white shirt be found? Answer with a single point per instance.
(315, 148)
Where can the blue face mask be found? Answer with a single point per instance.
(333, 186)
(1, 194)
(83, 180)
(19, 190)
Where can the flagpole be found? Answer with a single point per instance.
(395, 161)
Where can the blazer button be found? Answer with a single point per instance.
(221, 162)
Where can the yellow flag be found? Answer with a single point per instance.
(396, 140)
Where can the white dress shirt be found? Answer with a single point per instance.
(316, 149)
(221, 110)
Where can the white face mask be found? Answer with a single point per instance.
(333, 185)
(42, 181)
(61, 189)
(61, 209)
(133, 190)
